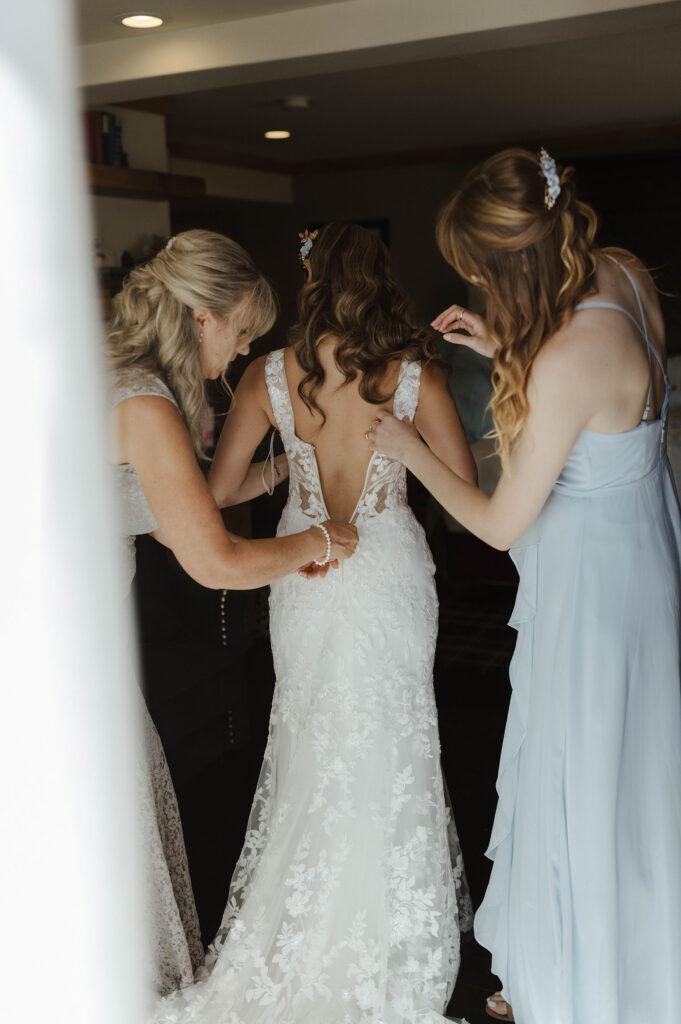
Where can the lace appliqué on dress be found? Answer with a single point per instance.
(343, 906)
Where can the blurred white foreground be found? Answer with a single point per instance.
(71, 934)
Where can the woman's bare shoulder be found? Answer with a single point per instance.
(253, 377)
(144, 420)
(616, 266)
(432, 377)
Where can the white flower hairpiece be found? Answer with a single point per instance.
(548, 169)
(307, 238)
(169, 243)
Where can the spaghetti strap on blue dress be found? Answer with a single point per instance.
(583, 909)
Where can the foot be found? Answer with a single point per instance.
(498, 1008)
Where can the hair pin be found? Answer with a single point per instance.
(547, 167)
(307, 238)
(169, 243)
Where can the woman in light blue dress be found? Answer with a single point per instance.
(583, 909)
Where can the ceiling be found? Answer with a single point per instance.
(625, 79)
(96, 19)
(623, 72)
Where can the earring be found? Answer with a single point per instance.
(201, 336)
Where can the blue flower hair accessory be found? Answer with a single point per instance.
(307, 238)
(548, 169)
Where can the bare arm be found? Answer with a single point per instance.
(152, 437)
(438, 423)
(563, 395)
(233, 477)
(252, 485)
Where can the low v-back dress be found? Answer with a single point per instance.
(583, 909)
(174, 924)
(343, 907)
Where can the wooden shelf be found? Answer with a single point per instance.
(127, 183)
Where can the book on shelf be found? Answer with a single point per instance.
(103, 134)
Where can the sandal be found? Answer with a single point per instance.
(492, 1010)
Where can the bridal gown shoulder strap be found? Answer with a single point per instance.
(405, 401)
(406, 397)
(280, 399)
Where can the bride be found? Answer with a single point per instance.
(345, 905)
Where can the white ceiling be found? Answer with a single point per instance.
(96, 18)
(622, 79)
(581, 74)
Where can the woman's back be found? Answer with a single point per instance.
(341, 449)
(621, 325)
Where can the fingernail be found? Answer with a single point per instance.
(447, 337)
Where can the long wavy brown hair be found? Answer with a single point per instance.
(152, 323)
(534, 265)
(352, 295)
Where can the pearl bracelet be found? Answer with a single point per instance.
(326, 560)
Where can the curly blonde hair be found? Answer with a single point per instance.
(353, 295)
(152, 324)
(534, 264)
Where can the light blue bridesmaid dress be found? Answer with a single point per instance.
(583, 909)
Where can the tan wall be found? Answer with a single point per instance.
(237, 182)
(121, 224)
(408, 198)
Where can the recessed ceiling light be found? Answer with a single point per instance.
(296, 102)
(141, 20)
(278, 135)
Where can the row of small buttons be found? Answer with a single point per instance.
(223, 620)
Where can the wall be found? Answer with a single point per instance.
(409, 198)
(131, 223)
(237, 182)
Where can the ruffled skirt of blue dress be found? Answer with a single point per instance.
(583, 910)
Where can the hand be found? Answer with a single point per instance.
(392, 437)
(344, 540)
(455, 319)
(312, 569)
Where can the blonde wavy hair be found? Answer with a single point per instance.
(152, 324)
(534, 264)
(353, 295)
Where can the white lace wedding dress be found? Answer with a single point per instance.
(343, 907)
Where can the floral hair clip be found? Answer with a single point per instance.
(548, 169)
(307, 238)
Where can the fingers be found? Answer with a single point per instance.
(452, 317)
(447, 313)
(456, 323)
(309, 572)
